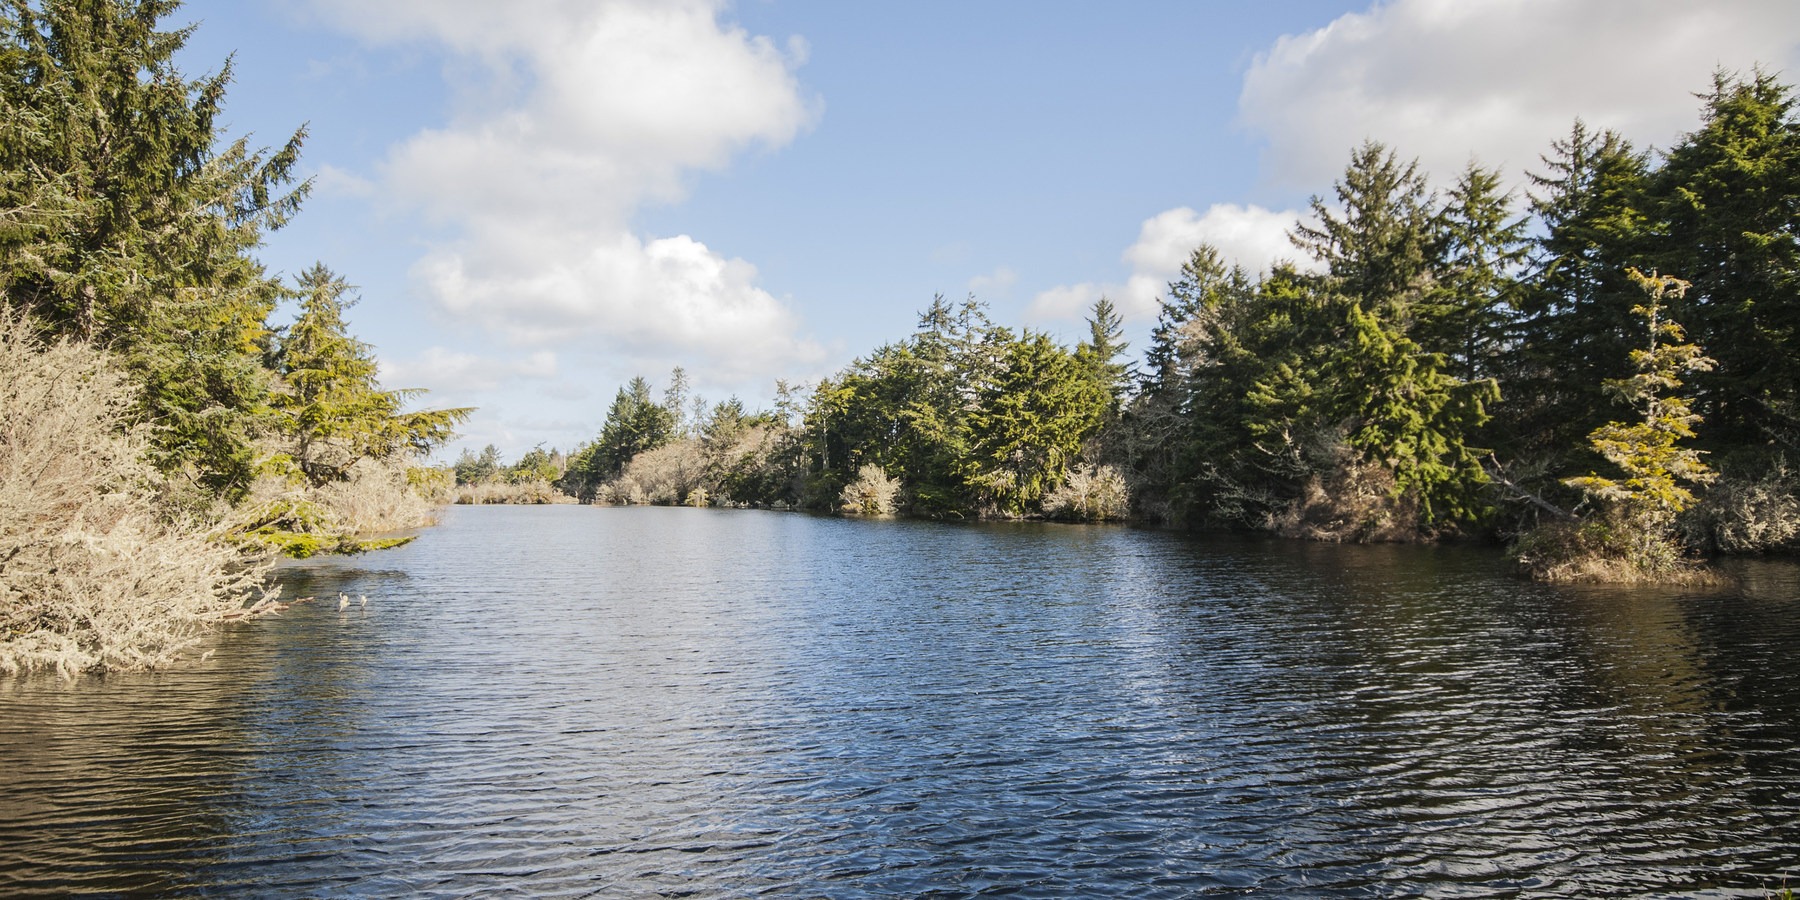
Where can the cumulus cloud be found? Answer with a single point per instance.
(1450, 80)
(1249, 236)
(573, 114)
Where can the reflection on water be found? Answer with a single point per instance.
(639, 702)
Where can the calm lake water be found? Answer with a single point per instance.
(668, 702)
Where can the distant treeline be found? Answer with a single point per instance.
(1608, 365)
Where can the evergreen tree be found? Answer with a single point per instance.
(1575, 324)
(330, 407)
(471, 468)
(1467, 317)
(634, 424)
(136, 223)
(1728, 201)
(1101, 352)
(1631, 534)
(1030, 423)
(1384, 247)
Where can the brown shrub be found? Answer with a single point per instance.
(96, 571)
(1089, 494)
(872, 493)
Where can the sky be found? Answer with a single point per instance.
(540, 199)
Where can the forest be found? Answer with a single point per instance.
(1598, 369)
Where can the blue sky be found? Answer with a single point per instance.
(540, 199)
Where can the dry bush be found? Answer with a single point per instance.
(1599, 550)
(872, 493)
(379, 497)
(1751, 514)
(285, 513)
(95, 571)
(1351, 501)
(1089, 494)
(662, 476)
(526, 493)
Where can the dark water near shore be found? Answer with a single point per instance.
(665, 702)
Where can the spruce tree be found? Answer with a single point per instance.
(330, 407)
(1728, 204)
(1575, 325)
(137, 219)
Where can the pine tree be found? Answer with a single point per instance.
(1728, 201)
(330, 406)
(136, 222)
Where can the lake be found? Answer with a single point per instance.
(582, 701)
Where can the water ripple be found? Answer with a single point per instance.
(654, 702)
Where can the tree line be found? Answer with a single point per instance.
(1431, 363)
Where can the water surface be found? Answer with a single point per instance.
(580, 701)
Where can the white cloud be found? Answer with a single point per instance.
(1498, 80)
(665, 298)
(1249, 236)
(331, 181)
(456, 372)
(572, 115)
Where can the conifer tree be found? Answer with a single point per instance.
(1101, 351)
(1467, 316)
(1728, 204)
(137, 220)
(1575, 319)
(1384, 246)
(1630, 535)
(1030, 423)
(330, 406)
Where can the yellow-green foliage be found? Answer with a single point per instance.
(96, 571)
(1648, 452)
(1629, 533)
(435, 484)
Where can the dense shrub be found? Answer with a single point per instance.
(95, 569)
(1089, 494)
(872, 493)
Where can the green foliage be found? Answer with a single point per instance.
(1727, 206)
(1656, 467)
(471, 468)
(1303, 380)
(330, 407)
(1030, 421)
(129, 223)
(1101, 353)
(537, 465)
(970, 418)
(1574, 327)
(634, 424)
(1630, 535)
